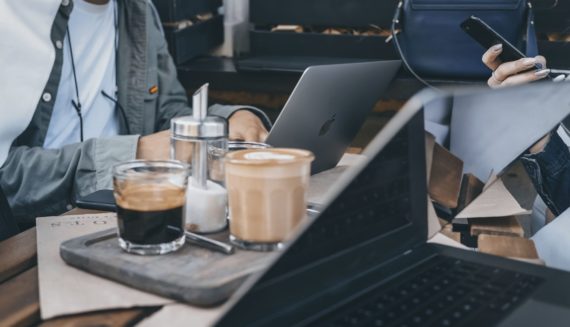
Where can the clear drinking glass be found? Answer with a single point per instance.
(150, 197)
(267, 191)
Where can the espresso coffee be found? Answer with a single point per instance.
(266, 190)
(150, 214)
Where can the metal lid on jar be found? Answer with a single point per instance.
(188, 127)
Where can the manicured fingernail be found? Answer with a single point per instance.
(529, 61)
(497, 47)
(559, 78)
(542, 73)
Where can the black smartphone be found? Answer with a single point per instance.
(101, 200)
(487, 37)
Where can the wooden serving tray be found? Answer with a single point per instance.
(192, 274)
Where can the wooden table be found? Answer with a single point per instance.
(19, 290)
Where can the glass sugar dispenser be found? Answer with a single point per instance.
(202, 142)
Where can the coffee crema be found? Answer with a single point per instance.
(150, 213)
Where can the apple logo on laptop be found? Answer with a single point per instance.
(327, 125)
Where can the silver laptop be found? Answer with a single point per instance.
(329, 106)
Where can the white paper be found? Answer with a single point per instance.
(181, 315)
(553, 241)
(66, 290)
(492, 179)
(491, 129)
(495, 201)
(439, 238)
(433, 225)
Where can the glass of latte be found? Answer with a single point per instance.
(267, 195)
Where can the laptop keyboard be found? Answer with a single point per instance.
(441, 292)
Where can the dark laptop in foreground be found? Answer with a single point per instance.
(364, 260)
(328, 107)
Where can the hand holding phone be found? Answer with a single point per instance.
(487, 37)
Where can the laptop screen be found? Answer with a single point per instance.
(387, 196)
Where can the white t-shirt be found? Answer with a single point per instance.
(92, 30)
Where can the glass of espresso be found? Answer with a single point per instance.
(150, 198)
(267, 195)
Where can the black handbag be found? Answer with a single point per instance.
(431, 43)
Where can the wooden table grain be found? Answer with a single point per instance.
(19, 303)
(18, 254)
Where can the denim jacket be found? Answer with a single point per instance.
(41, 182)
(550, 173)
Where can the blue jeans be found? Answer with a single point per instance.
(550, 173)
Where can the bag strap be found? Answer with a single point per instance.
(396, 40)
(531, 39)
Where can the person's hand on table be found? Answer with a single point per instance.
(512, 73)
(154, 146)
(246, 126)
(243, 124)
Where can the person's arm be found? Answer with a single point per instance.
(245, 122)
(548, 165)
(41, 182)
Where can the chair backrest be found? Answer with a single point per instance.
(8, 226)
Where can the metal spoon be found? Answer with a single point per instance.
(209, 243)
(205, 242)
